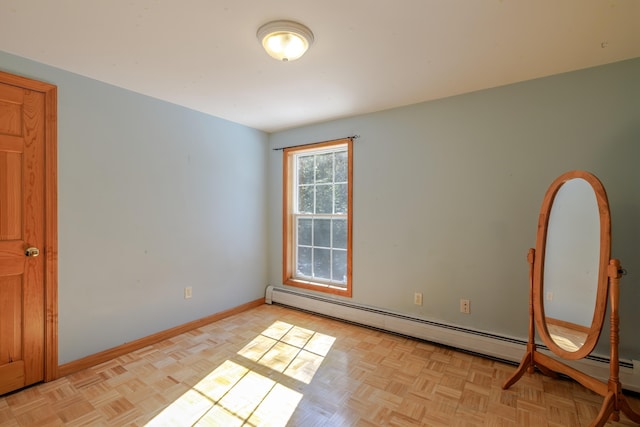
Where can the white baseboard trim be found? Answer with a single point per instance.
(488, 344)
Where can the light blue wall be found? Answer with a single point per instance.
(447, 193)
(153, 197)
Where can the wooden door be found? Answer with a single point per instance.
(25, 309)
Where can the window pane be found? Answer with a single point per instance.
(305, 199)
(322, 263)
(322, 232)
(324, 168)
(341, 198)
(340, 233)
(341, 166)
(324, 199)
(304, 231)
(340, 266)
(304, 261)
(305, 170)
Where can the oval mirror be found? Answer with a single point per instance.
(570, 270)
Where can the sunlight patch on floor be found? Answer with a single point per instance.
(235, 395)
(289, 349)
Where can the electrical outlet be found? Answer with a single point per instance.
(549, 296)
(417, 298)
(187, 292)
(465, 306)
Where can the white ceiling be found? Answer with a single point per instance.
(369, 55)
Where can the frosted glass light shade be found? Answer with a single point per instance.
(285, 40)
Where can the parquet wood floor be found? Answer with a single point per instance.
(273, 366)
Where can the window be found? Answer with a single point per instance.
(317, 216)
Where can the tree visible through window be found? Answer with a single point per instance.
(317, 216)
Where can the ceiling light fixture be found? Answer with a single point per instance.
(285, 40)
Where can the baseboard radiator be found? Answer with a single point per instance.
(487, 344)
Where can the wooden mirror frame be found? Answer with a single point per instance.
(600, 307)
(608, 289)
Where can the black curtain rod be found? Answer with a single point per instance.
(352, 137)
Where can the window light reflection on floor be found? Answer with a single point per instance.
(236, 395)
(294, 351)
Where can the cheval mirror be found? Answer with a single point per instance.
(572, 278)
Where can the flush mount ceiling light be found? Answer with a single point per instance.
(285, 40)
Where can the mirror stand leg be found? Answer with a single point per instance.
(528, 361)
(526, 364)
(614, 401)
(626, 409)
(608, 408)
(621, 404)
(529, 364)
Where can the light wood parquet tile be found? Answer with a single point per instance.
(273, 366)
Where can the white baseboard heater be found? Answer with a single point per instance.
(483, 343)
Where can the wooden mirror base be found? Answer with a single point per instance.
(614, 400)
